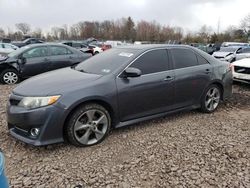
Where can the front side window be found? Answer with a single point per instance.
(152, 62)
(246, 50)
(58, 50)
(36, 52)
(183, 58)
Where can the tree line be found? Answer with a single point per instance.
(125, 29)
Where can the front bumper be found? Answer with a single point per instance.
(245, 78)
(47, 119)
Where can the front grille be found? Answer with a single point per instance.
(242, 70)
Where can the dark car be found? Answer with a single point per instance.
(27, 41)
(38, 58)
(119, 87)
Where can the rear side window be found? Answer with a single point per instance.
(152, 62)
(58, 50)
(183, 58)
(201, 60)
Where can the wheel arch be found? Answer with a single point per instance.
(101, 102)
(220, 85)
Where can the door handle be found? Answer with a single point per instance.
(70, 57)
(169, 78)
(46, 59)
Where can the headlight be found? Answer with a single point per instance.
(36, 102)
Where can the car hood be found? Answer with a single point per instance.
(221, 54)
(55, 82)
(242, 63)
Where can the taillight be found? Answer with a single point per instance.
(231, 66)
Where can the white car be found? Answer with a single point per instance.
(6, 48)
(96, 49)
(227, 53)
(241, 70)
(242, 54)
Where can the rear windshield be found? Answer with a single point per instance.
(108, 61)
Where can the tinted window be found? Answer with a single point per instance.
(183, 58)
(76, 45)
(107, 62)
(36, 52)
(201, 60)
(153, 61)
(58, 50)
(246, 50)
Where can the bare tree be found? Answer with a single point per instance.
(23, 27)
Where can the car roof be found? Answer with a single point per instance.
(47, 44)
(152, 46)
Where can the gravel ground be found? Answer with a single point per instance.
(187, 149)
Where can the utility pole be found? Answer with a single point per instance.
(218, 27)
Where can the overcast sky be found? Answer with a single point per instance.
(189, 14)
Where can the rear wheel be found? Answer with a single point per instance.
(211, 99)
(88, 125)
(9, 76)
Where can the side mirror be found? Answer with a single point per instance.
(132, 72)
(22, 60)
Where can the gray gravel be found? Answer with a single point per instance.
(187, 149)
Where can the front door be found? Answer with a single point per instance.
(152, 92)
(35, 61)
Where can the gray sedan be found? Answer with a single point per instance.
(37, 58)
(119, 87)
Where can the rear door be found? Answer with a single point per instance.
(192, 74)
(60, 57)
(36, 61)
(152, 92)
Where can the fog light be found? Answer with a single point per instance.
(34, 132)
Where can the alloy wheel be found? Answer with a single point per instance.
(91, 127)
(212, 99)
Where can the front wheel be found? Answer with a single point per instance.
(211, 99)
(88, 125)
(9, 76)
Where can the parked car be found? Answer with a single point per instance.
(95, 49)
(27, 42)
(227, 53)
(113, 89)
(241, 70)
(243, 53)
(6, 48)
(76, 45)
(3, 178)
(228, 44)
(37, 58)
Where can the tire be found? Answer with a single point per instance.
(96, 53)
(88, 125)
(211, 99)
(9, 76)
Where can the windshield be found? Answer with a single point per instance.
(18, 51)
(108, 61)
(227, 49)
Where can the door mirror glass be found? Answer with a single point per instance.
(132, 72)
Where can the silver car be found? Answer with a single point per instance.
(6, 48)
(242, 54)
